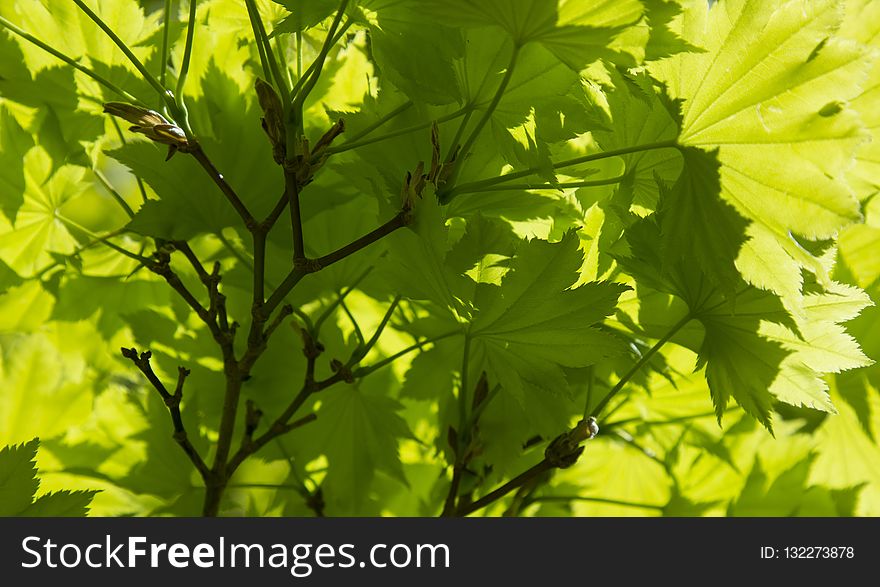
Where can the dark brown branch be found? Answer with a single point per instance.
(521, 497)
(193, 259)
(561, 453)
(199, 154)
(275, 214)
(259, 240)
(286, 311)
(211, 281)
(253, 445)
(252, 418)
(172, 402)
(400, 220)
(161, 265)
(312, 349)
(500, 492)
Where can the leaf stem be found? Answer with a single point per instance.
(352, 144)
(266, 51)
(381, 122)
(239, 256)
(259, 240)
(668, 422)
(354, 323)
(149, 77)
(224, 186)
(591, 378)
(117, 197)
(569, 498)
(124, 141)
(459, 133)
(597, 410)
(364, 351)
(70, 61)
(364, 371)
(547, 186)
(166, 32)
(261, 50)
(102, 240)
(187, 51)
(291, 187)
(299, 55)
(92, 243)
(328, 311)
(492, 181)
(300, 97)
(542, 467)
(493, 105)
(302, 77)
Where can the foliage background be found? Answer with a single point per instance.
(65, 311)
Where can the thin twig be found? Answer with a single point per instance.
(172, 402)
(313, 265)
(199, 154)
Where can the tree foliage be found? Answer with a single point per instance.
(417, 257)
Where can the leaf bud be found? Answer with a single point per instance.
(273, 119)
(151, 124)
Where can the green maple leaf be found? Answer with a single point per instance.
(14, 141)
(60, 504)
(416, 260)
(758, 352)
(82, 297)
(862, 24)
(846, 455)
(429, 376)
(304, 14)
(697, 223)
(638, 116)
(663, 41)
(359, 432)
(19, 484)
(859, 244)
(18, 477)
(40, 228)
(34, 373)
(769, 95)
(164, 471)
(575, 33)
(418, 59)
(534, 324)
(58, 122)
(755, 348)
(783, 495)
